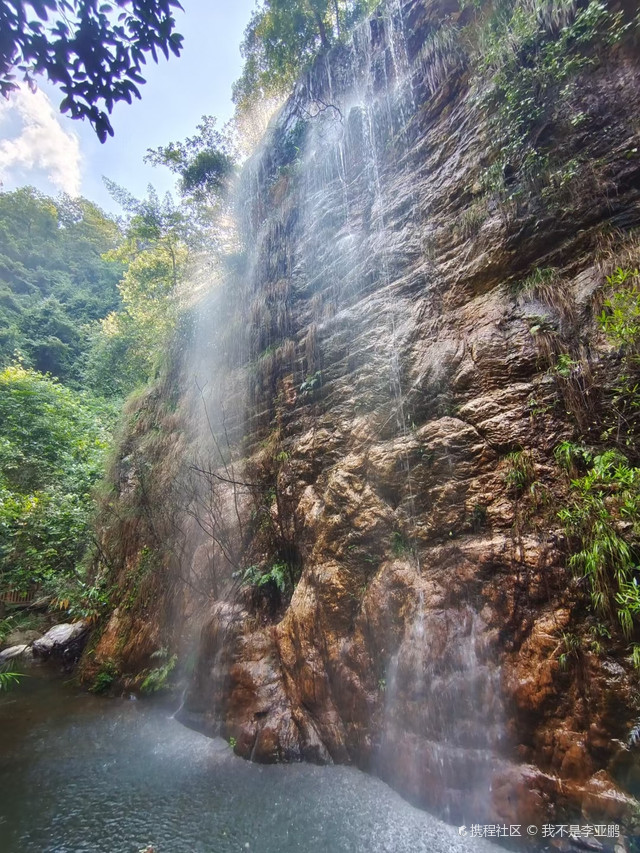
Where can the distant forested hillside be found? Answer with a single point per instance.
(87, 307)
(56, 285)
(54, 282)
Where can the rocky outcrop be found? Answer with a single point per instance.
(385, 367)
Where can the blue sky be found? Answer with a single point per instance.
(41, 147)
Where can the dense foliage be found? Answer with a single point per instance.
(93, 50)
(602, 517)
(204, 162)
(130, 342)
(54, 280)
(52, 446)
(532, 52)
(85, 304)
(282, 37)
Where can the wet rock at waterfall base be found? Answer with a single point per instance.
(64, 643)
(14, 652)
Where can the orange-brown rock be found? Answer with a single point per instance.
(387, 416)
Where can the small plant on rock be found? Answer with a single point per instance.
(400, 544)
(572, 649)
(602, 523)
(157, 679)
(520, 471)
(105, 677)
(311, 384)
(478, 518)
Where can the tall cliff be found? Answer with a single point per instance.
(384, 410)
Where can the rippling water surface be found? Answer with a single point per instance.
(83, 774)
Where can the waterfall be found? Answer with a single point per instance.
(443, 687)
(310, 335)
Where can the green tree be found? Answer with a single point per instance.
(54, 280)
(120, 356)
(93, 50)
(283, 36)
(203, 162)
(52, 445)
(128, 344)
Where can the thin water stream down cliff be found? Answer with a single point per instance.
(79, 774)
(347, 490)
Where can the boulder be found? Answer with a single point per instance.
(64, 642)
(20, 637)
(14, 652)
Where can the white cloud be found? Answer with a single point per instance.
(41, 144)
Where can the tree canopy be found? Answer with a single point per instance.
(283, 36)
(128, 343)
(54, 280)
(93, 50)
(203, 162)
(52, 446)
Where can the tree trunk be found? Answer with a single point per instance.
(324, 38)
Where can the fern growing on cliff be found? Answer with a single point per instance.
(279, 575)
(602, 519)
(603, 522)
(157, 679)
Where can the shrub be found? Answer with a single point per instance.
(52, 445)
(278, 575)
(105, 677)
(602, 522)
(157, 679)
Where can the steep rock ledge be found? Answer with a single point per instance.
(391, 367)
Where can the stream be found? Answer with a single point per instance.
(87, 774)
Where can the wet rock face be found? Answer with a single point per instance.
(398, 379)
